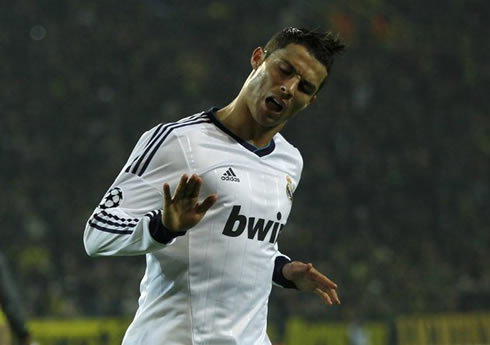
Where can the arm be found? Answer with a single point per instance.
(130, 219)
(127, 221)
(110, 232)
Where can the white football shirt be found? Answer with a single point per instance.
(211, 285)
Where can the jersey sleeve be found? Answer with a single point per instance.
(278, 278)
(128, 219)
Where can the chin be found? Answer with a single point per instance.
(270, 123)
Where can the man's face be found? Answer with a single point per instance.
(282, 84)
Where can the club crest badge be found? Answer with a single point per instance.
(289, 188)
(113, 198)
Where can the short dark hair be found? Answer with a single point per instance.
(324, 46)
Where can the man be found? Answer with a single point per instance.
(11, 306)
(211, 263)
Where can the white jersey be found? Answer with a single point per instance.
(211, 285)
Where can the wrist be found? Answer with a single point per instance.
(160, 232)
(167, 226)
(285, 271)
(281, 273)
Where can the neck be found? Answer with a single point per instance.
(237, 117)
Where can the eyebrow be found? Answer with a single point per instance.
(310, 87)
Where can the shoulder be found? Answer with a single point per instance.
(287, 149)
(165, 134)
(289, 155)
(162, 143)
(193, 123)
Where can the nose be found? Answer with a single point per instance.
(288, 88)
(286, 92)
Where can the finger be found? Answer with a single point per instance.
(328, 283)
(323, 280)
(181, 187)
(194, 186)
(334, 297)
(326, 298)
(167, 197)
(206, 204)
(332, 294)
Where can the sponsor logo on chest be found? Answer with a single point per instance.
(256, 228)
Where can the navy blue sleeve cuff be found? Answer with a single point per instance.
(159, 232)
(278, 277)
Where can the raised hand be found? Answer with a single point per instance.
(182, 211)
(307, 278)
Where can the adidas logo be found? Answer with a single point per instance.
(229, 175)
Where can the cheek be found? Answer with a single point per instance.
(299, 105)
(262, 81)
(253, 86)
(295, 108)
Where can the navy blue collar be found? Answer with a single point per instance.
(259, 151)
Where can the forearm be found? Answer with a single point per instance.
(108, 234)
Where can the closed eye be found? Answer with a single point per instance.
(304, 86)
(307, 88)
(285, 70)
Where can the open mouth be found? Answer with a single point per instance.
(273, 104)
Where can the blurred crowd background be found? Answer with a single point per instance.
(394, 199)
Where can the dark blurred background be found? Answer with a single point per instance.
(394, 200)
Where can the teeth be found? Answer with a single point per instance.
(277, 104)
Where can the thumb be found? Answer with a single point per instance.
(206, 204)
(304, 267)
(308, 267)
(297, 269)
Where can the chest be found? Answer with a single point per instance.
(260, 186)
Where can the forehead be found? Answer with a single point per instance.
(304, 63)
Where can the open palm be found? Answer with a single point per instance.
(182, 210)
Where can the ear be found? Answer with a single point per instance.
(257, 57)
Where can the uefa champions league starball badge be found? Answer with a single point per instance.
(113, 198)
(289, 188)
